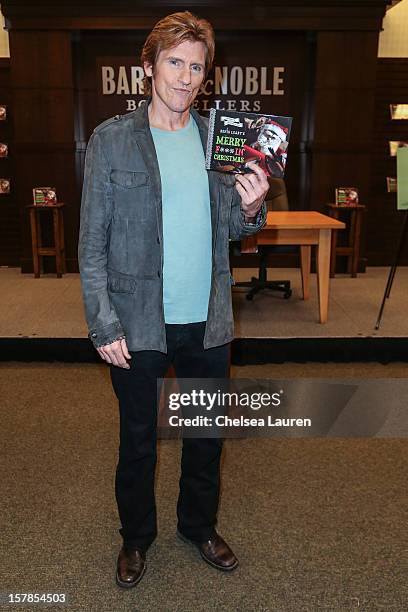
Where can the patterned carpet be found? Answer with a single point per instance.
(317, 524)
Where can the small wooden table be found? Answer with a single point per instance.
(304, 228)
(58, 250)
(352, 250)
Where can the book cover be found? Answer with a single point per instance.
(236, 138)
(4, 185)
(346, 196)
(44, 196)
(399, 111)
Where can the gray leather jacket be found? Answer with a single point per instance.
(120, 248)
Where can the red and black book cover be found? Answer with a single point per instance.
(236, 138)
(346, 196)
(44, 196)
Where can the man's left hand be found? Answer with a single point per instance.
(252, 188)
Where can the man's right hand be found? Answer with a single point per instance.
(116, 353)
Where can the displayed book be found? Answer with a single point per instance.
(399, 111)
(4, 185)
(3, 149)
(346, 196)
(44, 196)
(391, 184)
(395, 145)
(235, 139)
(3, 112)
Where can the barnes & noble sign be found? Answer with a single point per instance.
(260, 72)
(240, 88)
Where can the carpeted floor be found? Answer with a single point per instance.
(317, 524)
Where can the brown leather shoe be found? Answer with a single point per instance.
(130, 568)
(215, 551)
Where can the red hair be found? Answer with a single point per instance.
(173, 30)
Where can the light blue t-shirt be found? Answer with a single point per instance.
(186, 223)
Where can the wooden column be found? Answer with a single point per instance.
(345, 84)
(43, 118)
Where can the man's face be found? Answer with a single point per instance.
(177, 75)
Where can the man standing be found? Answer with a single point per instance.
(154, 263)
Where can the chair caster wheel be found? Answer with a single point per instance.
(287, 294)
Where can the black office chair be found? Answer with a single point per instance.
(276, 200)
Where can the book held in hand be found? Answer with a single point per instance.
(346, 196)
(237, 138)
(44, 196)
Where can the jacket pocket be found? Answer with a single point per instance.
(129, 179)
(121, 284)
(131, 194)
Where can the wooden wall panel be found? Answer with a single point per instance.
(384, 220)
(343, 116)
(10, 239)
(43, 110)
(295, 15)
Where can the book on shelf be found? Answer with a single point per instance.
(395, 145)
(392, 184)
(235, 139)
(4, 185)
(399, 111)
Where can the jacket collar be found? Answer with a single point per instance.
(141, 117)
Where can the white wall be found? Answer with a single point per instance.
(393, 41)
(4, 40)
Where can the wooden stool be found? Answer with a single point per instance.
(58, 250)
(352, 250)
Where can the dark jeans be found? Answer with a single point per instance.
(136, 390)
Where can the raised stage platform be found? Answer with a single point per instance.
(42, 320)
